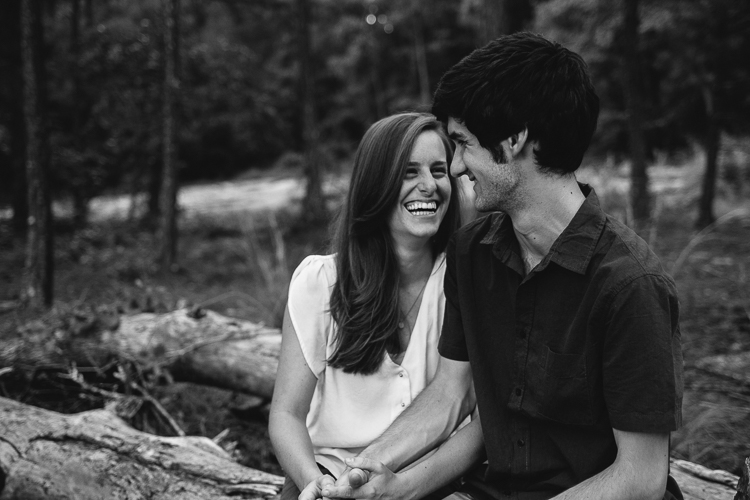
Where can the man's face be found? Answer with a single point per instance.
(494, 183)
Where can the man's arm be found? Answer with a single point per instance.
(453, 458)
(639, 471)
(429, 420)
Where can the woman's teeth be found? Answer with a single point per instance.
(421, 207)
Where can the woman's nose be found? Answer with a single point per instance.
(426, 184)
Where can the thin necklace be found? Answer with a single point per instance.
(404, 317)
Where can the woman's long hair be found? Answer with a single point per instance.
(365, 298)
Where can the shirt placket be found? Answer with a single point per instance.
(525, 297)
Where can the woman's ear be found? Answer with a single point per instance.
(517, 141)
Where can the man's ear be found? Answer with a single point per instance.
(517, 141)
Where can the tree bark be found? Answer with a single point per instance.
(17, 126)
(711, 144)
(95, 455)
(502, 17)
(420, 56)
(493, 20)
(89, 11)
(640, 199)
(313, 205)
(80, 190)
(700, 483)
(167, 228)
(37, 283)
(205, 348)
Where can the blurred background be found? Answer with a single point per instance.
(156, 154)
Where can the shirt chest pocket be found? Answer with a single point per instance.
(565, 394)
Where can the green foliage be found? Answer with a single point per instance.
(240, 91)
(691, 51)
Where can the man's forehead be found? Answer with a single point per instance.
(455, 127)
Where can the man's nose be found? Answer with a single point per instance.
(458, 168)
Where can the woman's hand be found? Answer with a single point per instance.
(314, 489)
(366, 479)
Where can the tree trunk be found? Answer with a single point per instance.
(640, 199)
(493, 20)
(205, 348)
(420, 57)
(313, 205)
(378, 104)
(167, 228)
(17, 126)
(81, 192)
(38, 270)
(502, 17)
(95, 455)
(711, 142)
(89, 11)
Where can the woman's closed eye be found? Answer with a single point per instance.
(439, 171)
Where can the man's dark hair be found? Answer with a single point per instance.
(523, 80)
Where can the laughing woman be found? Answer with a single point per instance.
(360, 332)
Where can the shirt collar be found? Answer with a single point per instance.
(574, 247)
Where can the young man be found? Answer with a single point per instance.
(561, 316)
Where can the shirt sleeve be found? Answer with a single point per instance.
(642, 357)
(452, 343)
(309, 310)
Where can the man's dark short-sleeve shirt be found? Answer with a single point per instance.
(586, 342)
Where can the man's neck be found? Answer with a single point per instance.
(550, 205)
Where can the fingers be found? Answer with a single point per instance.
(337, 492)
(357, 477)
(325, 481)
(365, 464)
(313, 490)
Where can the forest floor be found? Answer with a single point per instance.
(237, 254)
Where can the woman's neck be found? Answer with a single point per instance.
(414, 263)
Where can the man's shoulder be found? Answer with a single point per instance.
(627, 256)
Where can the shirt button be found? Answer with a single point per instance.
(401, 375)
(521, 442)
(518, 391)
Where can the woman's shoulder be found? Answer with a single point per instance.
(316, 269)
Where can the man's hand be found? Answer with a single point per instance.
(314, 489)
(366, 479)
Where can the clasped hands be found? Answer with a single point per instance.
(363, 478)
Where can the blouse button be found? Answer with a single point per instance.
(403, 404)
(401, 375)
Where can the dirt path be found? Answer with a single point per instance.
(269, 194)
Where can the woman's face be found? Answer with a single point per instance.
(425, 191)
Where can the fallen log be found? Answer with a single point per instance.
(730, 366)
(197, 346)
(95, 455)
(701, 483)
